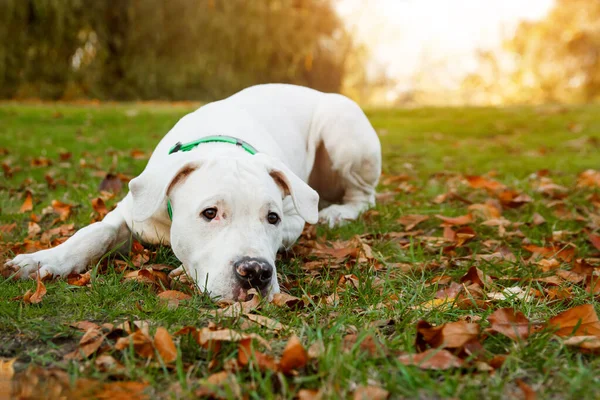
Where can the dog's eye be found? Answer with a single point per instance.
(273, 218)
(209, 213)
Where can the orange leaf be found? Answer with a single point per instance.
(507, 322)
(453, 335)
(36, 297)
(79, 279)
(62, 209)
(88, 345)
(565, 253)
(294, 356)
(528, 392)
(164, 345)
(246, 354)
(432, 359)
(410, 221)
(580, 321)
(594, 240)
(462, 220)
(27, 204)
(99, 206)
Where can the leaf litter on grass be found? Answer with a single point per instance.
(479, 232)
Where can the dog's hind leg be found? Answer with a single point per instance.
(86, 246)
(353, 160)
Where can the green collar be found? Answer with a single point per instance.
(207, 139)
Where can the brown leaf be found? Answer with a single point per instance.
(217, 383)
(142, 344)
(565, 253)
(164, 345)
(589, 178)
(478, 182)
(27, 204)
(62, 209)
(294, 356)
(36, 297)
(266, 322)
(370, 393)
(138, 154)
(247, 354)
(579, 321)
(587, 344)
(118, 390)
(33, 229)
(410, 221)
(309, 394)
(510, 323)
(88, 345)
(76, 279)
(538, 219)
(594, 240)
(7, 228)
(173, 297)
(462, 220)
(452, 335)
(475, 275)
(111, 183)
(528, 392)
(432, 359)
(99, 207)
(289, 301)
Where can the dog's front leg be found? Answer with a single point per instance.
(88, 245)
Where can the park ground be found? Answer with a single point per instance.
(474, 277)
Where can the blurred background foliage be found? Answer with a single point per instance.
(207, 49)
(171, 49)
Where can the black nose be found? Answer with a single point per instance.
(253, 272)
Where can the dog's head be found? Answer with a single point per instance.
(227, 217)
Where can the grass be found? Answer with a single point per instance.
(513, 143)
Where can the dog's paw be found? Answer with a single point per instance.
(45, 262)
(338, 214)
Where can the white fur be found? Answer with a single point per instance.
(287, 125)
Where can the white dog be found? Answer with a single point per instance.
(233, 182)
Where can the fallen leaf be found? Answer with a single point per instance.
(594, 240)
(76, 279)
(565, 253)
(88, 345)
(142, 344)
(163, 343)
(462, 220)
(452, 335)
(266, 322)
(27, 204)
(62, 209)
(220, 385)
(294, 356)
(478, 182)
(309, 394)
(578, 321)
(99, 207)
(588, 344)
(510, 323)
(410, 221)
(475, 275)
(528, 392)
(432, 359)
(370, 393)
(111, 183)
(36, 297)
(246, 355)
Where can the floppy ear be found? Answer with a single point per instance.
(150, 188)
(305, 199)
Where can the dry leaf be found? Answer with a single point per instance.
(35, 297)
(510, 323)
(111, 183)
(266, 322)
(453, 335)
(294, 356)
(462, 220)
(579, 321)
(62, 209)
(164, 345)
(27, 204)
(370, 393)
(432, 359)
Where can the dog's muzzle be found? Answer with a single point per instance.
(253, 272)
